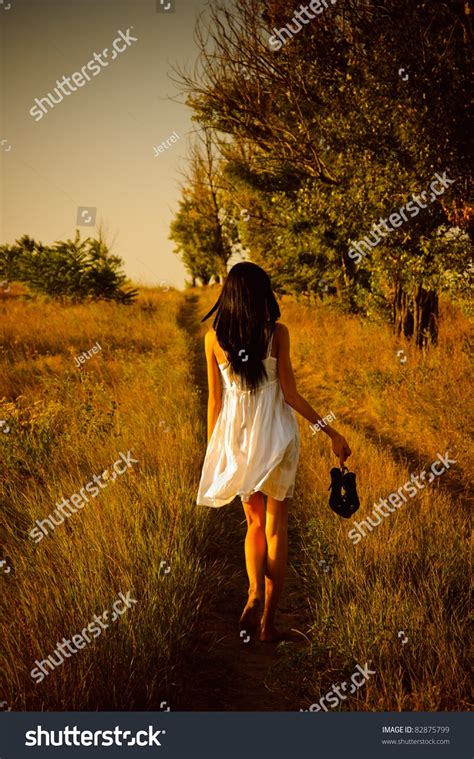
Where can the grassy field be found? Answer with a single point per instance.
(408, 578)
(67, 424)
(178, 645)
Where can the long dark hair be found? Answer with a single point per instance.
(247, 311)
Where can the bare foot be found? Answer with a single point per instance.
(251, 614)
(269, 634)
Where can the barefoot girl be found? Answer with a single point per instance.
(253, 440)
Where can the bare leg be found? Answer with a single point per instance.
(276, 531)
(255, 550)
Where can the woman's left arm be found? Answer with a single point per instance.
(214, 402)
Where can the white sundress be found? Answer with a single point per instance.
(255, 443)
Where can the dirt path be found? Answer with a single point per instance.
(225, 673)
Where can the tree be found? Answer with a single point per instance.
(201, 234)
(74, 269)
(326, 136)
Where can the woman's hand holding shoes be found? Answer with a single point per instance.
(340, 447)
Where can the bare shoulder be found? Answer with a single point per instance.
(281, 332)
(209, 342)
(210, 337)
(282, 340)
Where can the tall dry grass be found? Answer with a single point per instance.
(411, 572)
(140, 392)
(67, 424)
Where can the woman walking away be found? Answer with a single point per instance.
(253, 439)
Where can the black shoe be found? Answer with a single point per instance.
(344, 504)
(336, 499)
(350, 491)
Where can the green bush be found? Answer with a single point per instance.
(71, 269)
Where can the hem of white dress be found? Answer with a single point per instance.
(211, 503)
(265, 492)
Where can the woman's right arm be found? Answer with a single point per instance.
(286, 376)
(214, 383)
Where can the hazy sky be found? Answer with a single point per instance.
(95, 148)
